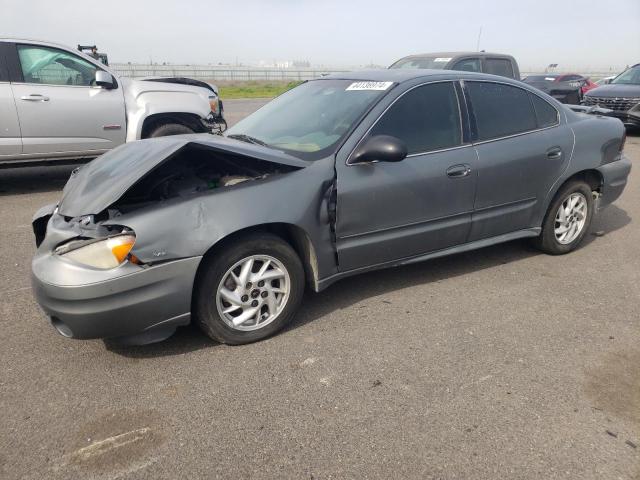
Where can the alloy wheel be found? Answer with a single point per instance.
(570, 218)
(253, 292)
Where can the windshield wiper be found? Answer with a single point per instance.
(248, 138)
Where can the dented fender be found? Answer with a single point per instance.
(182, 228)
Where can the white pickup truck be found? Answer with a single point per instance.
(57, 103)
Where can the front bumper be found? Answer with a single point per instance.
(630, 119)
(130, 300)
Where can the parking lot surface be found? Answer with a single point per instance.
(498, 363)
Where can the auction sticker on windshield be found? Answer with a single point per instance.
(369, 85)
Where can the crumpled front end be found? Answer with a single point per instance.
(90, 301)
(118, 256)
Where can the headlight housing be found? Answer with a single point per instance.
(103, 254)
(214, 104)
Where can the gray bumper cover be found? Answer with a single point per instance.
(130, 300)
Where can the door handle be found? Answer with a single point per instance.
(458, 171)
(554, 153)
(34, 97)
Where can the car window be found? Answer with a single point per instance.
(467, 65)
(426, 118)
(546, 115)
(500, 109)
(628, 77)
(422, 62)
(310, 121)
(52, 66)
(498, 66)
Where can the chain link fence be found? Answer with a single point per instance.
(247, 74)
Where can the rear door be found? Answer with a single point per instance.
(390, 211)
(59, 108)
(523, 147)
(10, 141)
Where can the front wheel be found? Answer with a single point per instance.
(166, 129)
(567, 220)
(249, 290)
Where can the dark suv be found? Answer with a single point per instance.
(622, 96)
(493, 63)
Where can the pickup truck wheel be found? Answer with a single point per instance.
(567, 220)
(249, 290)
(167, 129)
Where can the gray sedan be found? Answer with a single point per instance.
(336, 177)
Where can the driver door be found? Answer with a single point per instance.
(59, 110)
(392, 211)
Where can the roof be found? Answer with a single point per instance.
(457, 54)
(400, 75)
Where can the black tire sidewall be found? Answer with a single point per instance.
(206, 312)
(549, 243)
(168, 129)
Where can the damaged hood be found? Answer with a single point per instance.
(95, 186)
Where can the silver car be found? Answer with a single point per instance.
(58, 103)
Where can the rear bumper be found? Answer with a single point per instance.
(614, 176)
(141, 300)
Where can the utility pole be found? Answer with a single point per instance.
(479, 35)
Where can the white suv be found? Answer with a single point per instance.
(57, 103)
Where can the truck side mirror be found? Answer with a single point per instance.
(104, 79)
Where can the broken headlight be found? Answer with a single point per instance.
(103, 254)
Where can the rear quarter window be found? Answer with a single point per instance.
(500, 110)
(546, 115)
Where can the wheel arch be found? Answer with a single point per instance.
(590, 176)
(292, 234)
(190, 120)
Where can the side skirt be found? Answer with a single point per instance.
(465, 247)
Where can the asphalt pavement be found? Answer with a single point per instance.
(498, 363)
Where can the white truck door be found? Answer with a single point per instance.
(10, 141)
(60, 109)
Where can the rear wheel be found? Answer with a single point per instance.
(167, 129)
(249, 290)
(567, 220)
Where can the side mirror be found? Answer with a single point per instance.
(380, 148)
(104, 79)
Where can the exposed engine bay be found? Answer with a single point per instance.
(196, 169)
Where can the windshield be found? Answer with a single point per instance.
(628, 77)
(437, 63)
(310, 120)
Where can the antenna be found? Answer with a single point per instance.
(479, 35)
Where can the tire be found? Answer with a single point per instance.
(552, 239)
(215, 274)
(166, 129)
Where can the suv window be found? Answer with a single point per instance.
(467, 65)
(426, 118)
(498, 66)
(546, 115)
(500, 109)
(52, 66)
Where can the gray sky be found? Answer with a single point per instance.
(577, 34)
